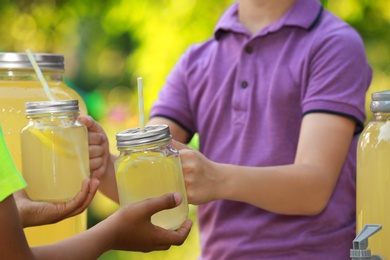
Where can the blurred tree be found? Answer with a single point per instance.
(372, 20)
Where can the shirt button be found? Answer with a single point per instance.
(248, 49)
(244, 84)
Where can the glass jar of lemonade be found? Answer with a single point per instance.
(18, 85)
(55, 157)
(373, 174)
(148, 167)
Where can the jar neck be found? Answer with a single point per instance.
(30, 75)
(54, 117)
(382, 116)
(145, 147)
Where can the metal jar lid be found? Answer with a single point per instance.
(380, 101)
(135, 137)
(19, 60)
(57, 106)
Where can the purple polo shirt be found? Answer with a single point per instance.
(246, 95)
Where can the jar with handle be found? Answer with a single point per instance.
(148, 167)
(55, 158)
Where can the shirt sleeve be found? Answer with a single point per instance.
(173, 101)
(10, 178)
(339, 76)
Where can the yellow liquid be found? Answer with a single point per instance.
(55, 167)
(13, 95)
(48, 234)
(373, 182)
(149, 175)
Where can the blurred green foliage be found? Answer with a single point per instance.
(108, 44)
(371, 19)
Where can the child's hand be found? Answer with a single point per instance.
(101, 162)
(99, 154)
(34, 213)
(200, 175)
(134, 231)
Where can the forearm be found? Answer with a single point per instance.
(87, 245)
(289, 189)
(303, 187)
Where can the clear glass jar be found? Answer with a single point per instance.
(373, 174)
(55, 158)
(18, 85)
(148, 167)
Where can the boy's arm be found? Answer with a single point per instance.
(129, 229)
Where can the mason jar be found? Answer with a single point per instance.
(19, 84)
(55, 158)
(148, 167)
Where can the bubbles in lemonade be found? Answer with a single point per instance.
(150, 174)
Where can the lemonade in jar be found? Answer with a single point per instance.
(18, 85)
(55, 157)
(148, 167)
(373, 174)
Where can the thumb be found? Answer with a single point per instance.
(86, 120)
(164, 202)
(179, 146)
(91, 124)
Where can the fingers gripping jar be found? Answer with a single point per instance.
(55, 158)
(148, 167)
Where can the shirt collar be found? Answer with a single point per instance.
(303, 13)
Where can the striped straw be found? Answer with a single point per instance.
(39, 75)
(141, 104)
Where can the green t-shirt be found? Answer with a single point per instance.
(10, 178)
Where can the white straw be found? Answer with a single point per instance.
(141, 104)
(40, 75)
(52, 98)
